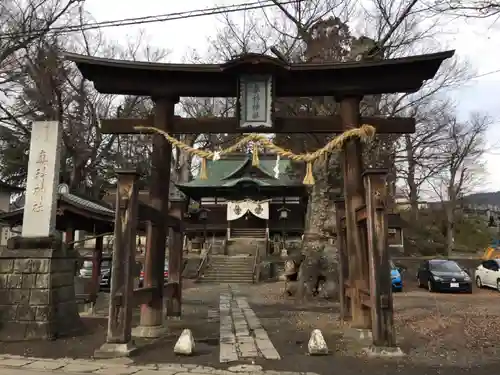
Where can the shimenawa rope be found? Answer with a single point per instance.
(365, 133)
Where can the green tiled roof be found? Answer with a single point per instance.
(221, 172)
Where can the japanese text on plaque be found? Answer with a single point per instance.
(40, 173)
(255, 101)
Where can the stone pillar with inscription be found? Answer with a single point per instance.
(37, 293)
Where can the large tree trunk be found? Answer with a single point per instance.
(183, 161)
(450, 218)
(450, 230)
(412, 184)
(320, 258)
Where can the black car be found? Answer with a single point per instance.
(443, 275)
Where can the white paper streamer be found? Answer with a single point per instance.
(216, 155)
(277, 167)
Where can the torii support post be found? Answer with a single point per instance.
(174, 286)
(354, 198)
(70, 238)
(343, 267)
(151, 321)
(380, 279)
(119, 336)
(96, 267)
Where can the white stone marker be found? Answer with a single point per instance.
(40, 206)
(185, 343)
(317, 344)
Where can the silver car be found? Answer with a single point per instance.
(86, 270)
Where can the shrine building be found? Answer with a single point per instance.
(240, 200)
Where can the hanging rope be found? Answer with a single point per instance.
(365, 133)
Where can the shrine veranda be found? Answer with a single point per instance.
(366, 297)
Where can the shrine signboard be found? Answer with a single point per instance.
(39, 218)
(255, 101)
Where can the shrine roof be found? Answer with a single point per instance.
(405, 74)
(84, 208)
(237, 172)
(227, 172)
(10, 188)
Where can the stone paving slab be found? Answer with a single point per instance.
(17, 365)
(241, 333)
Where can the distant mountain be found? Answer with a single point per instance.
(492, 198)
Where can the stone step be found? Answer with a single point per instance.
(248, 230)
(229, 275)
(232, 269)
(224, 274)
(224, 268)
(226, 280)
(229, 269)
(248, 268)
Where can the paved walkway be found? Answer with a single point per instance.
(16, 365)
(241, 333)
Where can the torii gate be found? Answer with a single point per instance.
(364, 268)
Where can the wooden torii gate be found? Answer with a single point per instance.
(364, 259)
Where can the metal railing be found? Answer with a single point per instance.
(204, 261)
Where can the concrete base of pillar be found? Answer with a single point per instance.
(86, 309)
(174, 318)
(149, 332)
(359, 334)
(384, 351)
(113, 350)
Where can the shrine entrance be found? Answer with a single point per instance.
(248, 218)
(256, 81)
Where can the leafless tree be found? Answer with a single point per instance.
(462, 167)
(467, 8)
(418, 157)
(316, 31)
(47, 87)
(23, 23)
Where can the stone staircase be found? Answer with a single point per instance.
(248, 233)
(236, 269)
(244, 246)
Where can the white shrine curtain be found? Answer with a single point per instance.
(259, 209)
(237, 209)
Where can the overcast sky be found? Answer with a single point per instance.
(476, 41)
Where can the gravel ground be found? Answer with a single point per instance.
(448, 334)
(436, 330)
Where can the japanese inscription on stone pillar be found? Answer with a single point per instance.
(43, 177)
(255, 101)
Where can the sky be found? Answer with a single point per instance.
(476, 41)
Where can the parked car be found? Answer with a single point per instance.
(165, 275)
(488, 274)
(106, 275)
(443, 275)
(86, 270)
(396, 278)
